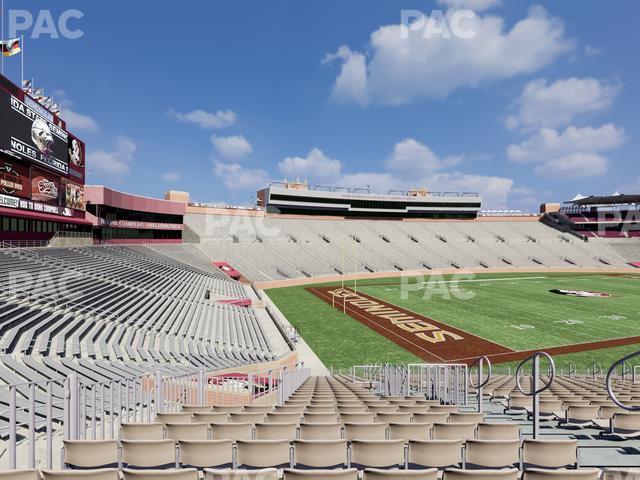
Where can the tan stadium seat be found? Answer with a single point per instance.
(320, 431)
(549, 453)
(181, 417)
(518, 403)
(97, 474)
(565, 474)
(424, 401)
(621, 474)
(276, 431)
(187, 431)
(257, 408)
(626, 425)
(196, 408)
(399, 474)
(377, 453)
(459, 474)
(283, 417)
(263, 453)
(578, 416)
(246, 417)
(471, 417)
(608, 411)
(320, 410)
(358, 417)
(320, 453)
(498, 431)
(320, 417)
(227, 408)
(211, 417)
(205, 453)
(435, 453)
(148, 453)
(414, 408)
(350, 410)
(28, 474)
(341, 474)
(365, 431)
(548, 409)
(431, 417)
(141, 431)
(444, 408)
(402, 403)
(288, 409)
(410, 431)
(395, 417)
(383, 408)
(492, 453)
(171, 474)
(91, 453)
(232, 431)
(451, 431)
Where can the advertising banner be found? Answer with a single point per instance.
(45, 187)
(74, 196)
(14, 179)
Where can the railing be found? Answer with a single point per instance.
(536, 390)
(41, 414)
(480, 361)
(23, 243)
(622, 362)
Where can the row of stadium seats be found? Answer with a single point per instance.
(276, 248)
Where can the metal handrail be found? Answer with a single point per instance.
(536, 389)
(572, 369)
(596, 369)
(610, 374)
(480, 362)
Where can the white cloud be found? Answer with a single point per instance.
(315, 166)
(589, 50)
(236, 177)
(171, 177)
(116, 161)
(403, 69)
(233, 147)
(574, 152)
(556, 104)
(476, 5)
(77, 122)
(206, 120)
(412, 159)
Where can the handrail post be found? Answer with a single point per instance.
(610, 373)
(481, 383)
(536, 389)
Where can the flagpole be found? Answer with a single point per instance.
(2, 35)
(22, 61)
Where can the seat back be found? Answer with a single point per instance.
(279, 417)
(342, 474)
(211, 417)
(97, 474)
(276, 431)
(227, 408)
(205, 453)
(431, 417)
(582, 413)
(435, 453)
(369, 417)
(568, 474)
(410, 431)
(263, 453)
(498, 431)
(141, 431)
(91, 453)
(396, 474)
(456, 474)
(377, 453)
(26, 474)
(257, 408)
(148, 453)
(196, 408)
(247, 417)
(444, 408)
(320, 431)
(467, 417)
(320, 417)
(173, 474)
(365, 431)
(549, 453)
(404, 417)
(173, 417)
(492, 453)
(320, 453)
(452, 431)
(628, 422)
(187, 431)
(232, 431)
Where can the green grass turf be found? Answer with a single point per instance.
(520, 313)
(498, 302)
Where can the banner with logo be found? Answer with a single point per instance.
(75, 154)
(45, 187)
(14, 179)
(74, 196)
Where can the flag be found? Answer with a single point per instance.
(10, 47)
(27, 86)
(38, 92)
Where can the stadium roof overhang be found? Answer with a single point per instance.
(605, 200)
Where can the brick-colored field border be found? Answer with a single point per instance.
(451, 351)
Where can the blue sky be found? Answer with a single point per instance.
(218, 97)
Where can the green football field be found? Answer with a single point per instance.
(515, 310)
